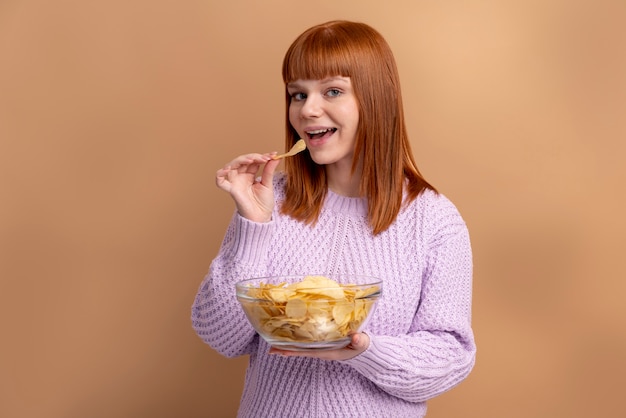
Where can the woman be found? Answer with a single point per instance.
(353, 203)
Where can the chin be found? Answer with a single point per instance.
(320, 160)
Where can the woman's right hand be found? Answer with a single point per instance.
(253, 197)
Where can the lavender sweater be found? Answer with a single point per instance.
(422, 342)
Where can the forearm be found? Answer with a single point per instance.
(216, 314)
(217, 318)
(416, 367)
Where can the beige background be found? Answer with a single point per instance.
(114, 116)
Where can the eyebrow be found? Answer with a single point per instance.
(294, 84)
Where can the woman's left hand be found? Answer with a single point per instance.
(358, 344)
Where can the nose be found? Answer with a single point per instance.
(312, 107)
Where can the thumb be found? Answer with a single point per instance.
(360, 341)
(268, 172)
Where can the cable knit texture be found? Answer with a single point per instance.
(421, 337)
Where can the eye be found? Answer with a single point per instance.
(298, 96)
(333, 93)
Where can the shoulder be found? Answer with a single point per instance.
(433, 204)
(435, 213)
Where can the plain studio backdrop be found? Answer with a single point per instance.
(115, 115)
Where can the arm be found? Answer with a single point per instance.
(438, 352)
(216, 314)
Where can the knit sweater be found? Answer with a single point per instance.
(421, 340)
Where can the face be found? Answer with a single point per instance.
(325, 114)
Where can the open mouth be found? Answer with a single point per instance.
(321, 133)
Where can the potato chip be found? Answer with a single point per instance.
(342, 313)
(296, 308)
(280, 294)
(314, 309)
(320, 286)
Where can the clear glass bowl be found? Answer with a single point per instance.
(314, 312)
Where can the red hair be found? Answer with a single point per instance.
(355, 50)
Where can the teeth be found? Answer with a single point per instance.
(319, 131)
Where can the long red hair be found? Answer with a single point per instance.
(355, 50)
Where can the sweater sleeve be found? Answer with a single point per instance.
(438, 351)
(216, 314)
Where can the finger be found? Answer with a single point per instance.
(268, 172)
(223, 184)
(244, 160)
(251, 168)
(222, 172)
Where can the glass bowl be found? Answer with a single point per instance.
(313, 312)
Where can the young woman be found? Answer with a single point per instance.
(353, 203)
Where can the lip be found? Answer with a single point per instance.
(318, 141)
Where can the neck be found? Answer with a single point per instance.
(342, 181)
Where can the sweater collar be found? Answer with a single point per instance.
(351, 205)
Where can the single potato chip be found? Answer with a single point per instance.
(342, 313)
(296, 308)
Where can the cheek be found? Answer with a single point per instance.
(351, 113)
(293, 114)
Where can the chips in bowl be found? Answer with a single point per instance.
(308, 312)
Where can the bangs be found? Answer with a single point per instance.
(318, 55)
